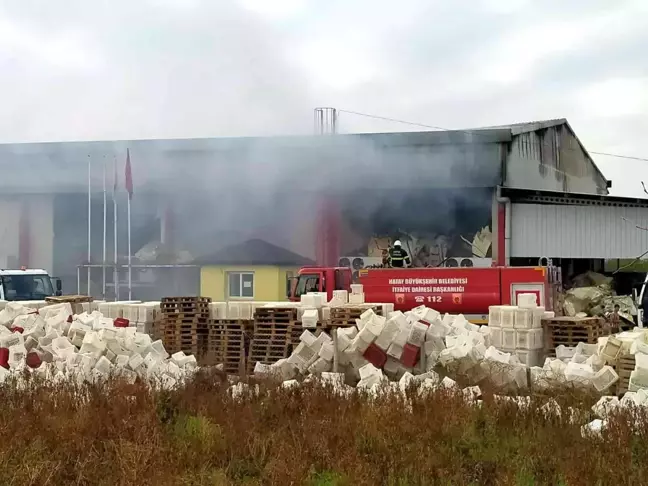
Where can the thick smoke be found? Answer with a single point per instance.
(221, 190)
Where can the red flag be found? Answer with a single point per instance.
(129, 176)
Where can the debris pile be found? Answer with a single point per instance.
(58, 345)
(592, 295)
(508, 353)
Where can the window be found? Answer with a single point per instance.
(240, 285)
(307, 283)
(27, 287)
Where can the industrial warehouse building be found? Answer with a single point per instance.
(468, 197)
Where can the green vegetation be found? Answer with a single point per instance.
(116, 434)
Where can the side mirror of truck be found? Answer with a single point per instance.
(291, 283)
(58, 286)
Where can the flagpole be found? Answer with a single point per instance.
(129, 187)
(130, 268)
(105, 228)
(89, 218)
(116, 269)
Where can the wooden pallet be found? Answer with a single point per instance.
(275, 314)
(186, 321)
(271, 329)
(569, 331)
(346, 316)
(185, 300)
(227, 344)
(623, 367)
(72, 299)
(270, 342)
(186, 315)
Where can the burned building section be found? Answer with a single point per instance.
(444, 227)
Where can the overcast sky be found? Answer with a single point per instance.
(124, 69)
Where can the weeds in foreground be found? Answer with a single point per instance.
(115, 434)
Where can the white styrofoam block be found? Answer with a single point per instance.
(308, 300)
(357, 289)
(527, 300)
(638, 379)
(579, 372)
(359, 344)
(530, 357)
(565, 352)
(529, 339)
(641, 361)
(367, 315)
(350, 332)
(369, 370)
(523, 318)
(387, 308)
(326, 351)
(605, 378)
(438, 328)
(343, 341)
(388, 334)
(376, 324)
(426, 314)
(493, 354)
(401, 338)
(308, 338)
(357, 299)
(509, 338)
(309, 318)
(507, 314)
(233, 310)
(399, 318)
(340, 297)
(395, 350)
(587, 349)
(495, 316)
(417, 334)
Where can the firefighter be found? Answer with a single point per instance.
(398, 257)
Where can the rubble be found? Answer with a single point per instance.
(592, 295)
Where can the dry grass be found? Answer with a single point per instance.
(125, 435)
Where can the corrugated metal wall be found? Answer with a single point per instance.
(577, 231)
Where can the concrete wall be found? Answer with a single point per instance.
(269, 282)
(551, 159)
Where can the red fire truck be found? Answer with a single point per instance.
(468, 291)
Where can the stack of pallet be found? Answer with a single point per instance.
(184, 324)
(227, 343)
(569, 331)
(273, 335)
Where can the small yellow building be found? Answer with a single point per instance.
(253, 270)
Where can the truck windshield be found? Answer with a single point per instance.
(27, 287)
(307, 283)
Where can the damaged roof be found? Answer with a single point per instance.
(255, 252)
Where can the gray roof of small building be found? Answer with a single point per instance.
(254, 252)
